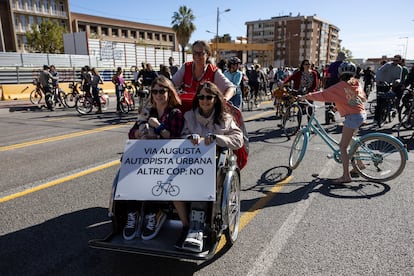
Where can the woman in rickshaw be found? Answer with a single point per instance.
(208, 120)
(166, 119)
(196, 72)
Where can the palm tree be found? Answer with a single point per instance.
(183, 26)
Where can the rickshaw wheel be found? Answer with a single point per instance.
(233, 210)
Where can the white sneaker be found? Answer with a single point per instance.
(194, 239)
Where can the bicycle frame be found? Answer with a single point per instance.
(316, 127)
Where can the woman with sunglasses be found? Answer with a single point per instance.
(200, 70)
(209, 120)
(167, 120)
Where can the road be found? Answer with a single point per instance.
(57, 172)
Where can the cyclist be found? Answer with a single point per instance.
(46, 79)
(55, 82)
(349, 99)
(305, 79)
(96, 80)
(192, 74)
(118, 80)
(369, 78)
(257, 79)
(388, 73)
(235, 76)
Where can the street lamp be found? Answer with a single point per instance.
(217, 28)
(406, 45)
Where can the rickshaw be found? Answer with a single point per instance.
(223, 213)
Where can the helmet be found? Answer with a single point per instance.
(234, 60)
(347, 68)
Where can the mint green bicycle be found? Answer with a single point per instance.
(375, 156)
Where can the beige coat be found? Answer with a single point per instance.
(228, 134)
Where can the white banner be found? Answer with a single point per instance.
(167, 170)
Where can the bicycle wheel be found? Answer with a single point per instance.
(232, 211)
(292, 120)
(298, 149)
(61, 97)
(174, 190)
(84, 105)
(70, 99)
(35, 96)
(124, 106)
(131, 102)
(372, 106)
(104, 101)
(404, 115)
(378, 156)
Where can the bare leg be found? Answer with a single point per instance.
(347, 134)
(181, 208)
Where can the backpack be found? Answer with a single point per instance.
(242, 153)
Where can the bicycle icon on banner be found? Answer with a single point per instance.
(167, 187)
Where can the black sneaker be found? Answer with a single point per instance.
(131, 227)
(152, 224)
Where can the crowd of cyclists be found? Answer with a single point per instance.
(391, 76)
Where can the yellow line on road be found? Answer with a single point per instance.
(58, 138)
(256, 208)
(59, 181)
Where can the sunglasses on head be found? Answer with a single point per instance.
(208, 97)
(161, 91)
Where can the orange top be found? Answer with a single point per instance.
(348, 97)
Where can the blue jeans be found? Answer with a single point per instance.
(236, 100)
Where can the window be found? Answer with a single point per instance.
(29, 5)
(46, 6)
(141, 35)
(133, 34)
(37, 4)
(124, 33)
(23, 22)
(53, 7)
(104, 31)
(157, 37)
(149, 36)
(20, 5)
(93, 30)
(82, 28)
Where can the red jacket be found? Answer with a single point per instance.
(296, 77)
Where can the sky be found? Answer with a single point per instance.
(369, 29)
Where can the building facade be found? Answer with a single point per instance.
(115, 30)
(17, 17)
(294, 39)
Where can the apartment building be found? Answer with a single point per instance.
(17, 16)
(294, 38)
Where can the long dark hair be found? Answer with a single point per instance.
(220, 106)
(174, 101)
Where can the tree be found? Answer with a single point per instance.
(46, 37)
(183, 26)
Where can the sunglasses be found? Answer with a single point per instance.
(161, 91)
(200, 54)
(208, 97)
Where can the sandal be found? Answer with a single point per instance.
(340, 180)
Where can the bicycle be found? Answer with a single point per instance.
(247, 97)
(167, 187)
(72, 97)
(375, 156)
(37, 94)
(292, 116)
(388, 109)
(127, 102)
(85, 103)
(406, 110)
